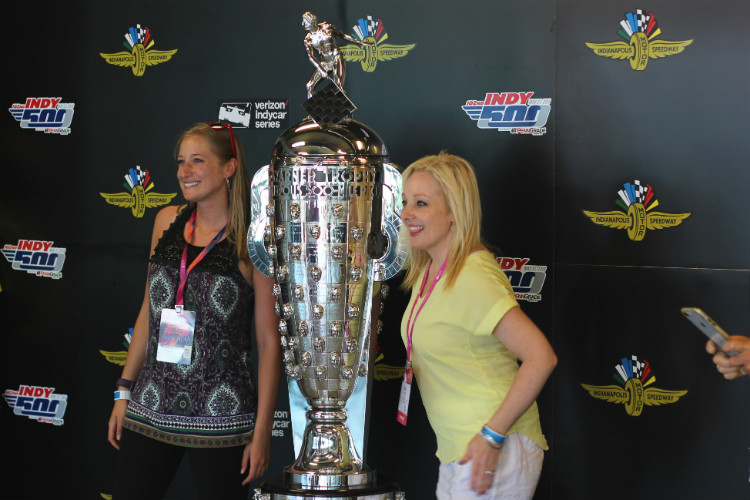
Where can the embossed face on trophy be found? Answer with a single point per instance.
(325, 220)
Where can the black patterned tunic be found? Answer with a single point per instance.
(212, 401)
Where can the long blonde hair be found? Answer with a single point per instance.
(220, 141)
(458, 184)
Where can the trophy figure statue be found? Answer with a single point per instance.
(324, 54)
(325, 221)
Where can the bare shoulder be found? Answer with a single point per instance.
(165, 217)
(163, 220)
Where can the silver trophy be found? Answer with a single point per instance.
(325, 221)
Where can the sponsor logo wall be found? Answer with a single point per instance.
(585, 123)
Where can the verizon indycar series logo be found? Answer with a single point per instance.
(514, 112)
(37, 403)
(526, 280)
(255, 113)
(36, 257)
(44, 114)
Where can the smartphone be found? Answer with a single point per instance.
(708, 326)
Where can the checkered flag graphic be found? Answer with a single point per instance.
(140, 175)
(368, 27)
(372, 26)
(137, 177)
(641, 20)
(640, 191)
(646, 22)
(637, 367)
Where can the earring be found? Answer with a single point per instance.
(229, 188)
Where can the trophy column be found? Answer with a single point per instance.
(325, 219)
(325, 227)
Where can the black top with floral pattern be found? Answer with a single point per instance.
(211, 402)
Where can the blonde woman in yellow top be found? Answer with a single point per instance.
(465, 336)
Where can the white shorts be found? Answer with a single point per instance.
(518, 470)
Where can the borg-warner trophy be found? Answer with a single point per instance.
(325, 220)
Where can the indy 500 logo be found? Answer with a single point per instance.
(36, 257)
(37, 403)
(44, 114)
(527, 281)
(514, 112)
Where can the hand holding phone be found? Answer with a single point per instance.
(708, 326)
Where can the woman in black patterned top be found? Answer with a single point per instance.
(188, 385)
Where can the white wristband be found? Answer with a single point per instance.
(122, 395)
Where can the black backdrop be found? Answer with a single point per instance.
(680, 125)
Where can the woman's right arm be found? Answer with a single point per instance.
(139, 340)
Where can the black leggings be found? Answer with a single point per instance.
(146, 468)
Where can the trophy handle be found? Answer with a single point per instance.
(390, 264)
(259, 200)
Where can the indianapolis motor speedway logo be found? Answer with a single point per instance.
(138, 196)
(638, 201)
(371, 31)
(119, 357)
(634, 389)
(140, 53)
(639, 31)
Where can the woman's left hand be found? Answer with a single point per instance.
(484, 463)
(257, 456)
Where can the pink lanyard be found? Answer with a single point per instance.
(183, 262)
(409, 323)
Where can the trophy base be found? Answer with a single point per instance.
(381, 490)
(328, 481)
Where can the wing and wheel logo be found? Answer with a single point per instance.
(637, 216)
(640, 43)
(139, 195)
(140, 52)
(373, 32)
(634, 389)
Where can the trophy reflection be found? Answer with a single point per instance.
(325, 220)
